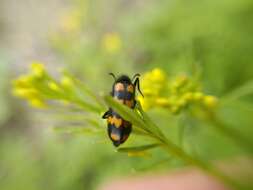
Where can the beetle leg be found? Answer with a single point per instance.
(106, 114)
(137, 84)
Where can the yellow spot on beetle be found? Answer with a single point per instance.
(115, 121)
(115, 137)
(109, 119)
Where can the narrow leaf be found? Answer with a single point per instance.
(239, 92)
(138, 148)
(75, 130)
(127, 113)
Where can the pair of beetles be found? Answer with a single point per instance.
(123, 90)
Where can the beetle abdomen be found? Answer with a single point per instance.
(118, 129)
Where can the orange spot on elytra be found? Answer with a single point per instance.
(129, 103)
(130, 88)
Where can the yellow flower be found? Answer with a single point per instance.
(23, 81)
(112, 42)
(163, 102)
(53, 86)
(154, 83)
(145, 103)
(188, 96)
(38, 69)
(197, 96)
(71, 21)
(149, 92)
(37, 103)
(210, 101)
(27, 93)
(181, 102)
(158, 75)
(67, 82)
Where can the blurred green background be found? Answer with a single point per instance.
(209, 38)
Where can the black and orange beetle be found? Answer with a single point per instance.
(123, 90)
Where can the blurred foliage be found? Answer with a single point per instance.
(4, 108)
(210, 41)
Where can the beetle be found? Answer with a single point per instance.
(123, 90)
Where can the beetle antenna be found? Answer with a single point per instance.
(136, 75)
(113, 76)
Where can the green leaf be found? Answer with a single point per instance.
(140, 120)
(139, 131)
(84, 89)
(125, 112)
(138, 148)
(149, 122)
(75, 129)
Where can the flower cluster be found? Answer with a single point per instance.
(38, 87)
(71, 22)
(174, 94)
(112, 43)
(26, 86)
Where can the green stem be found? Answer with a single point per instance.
(86, 106)
(171, 148)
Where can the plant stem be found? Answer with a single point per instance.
(171, 148)
(207, 167)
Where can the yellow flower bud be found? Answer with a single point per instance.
(188, 96)
(145, 103)
(38, 69)
(71, 21)
(210, 101)
(163, 102)
(158, 75)
(53, 86)
(149, 92)
(112, 42)
(38, 103)
(67, 82)
(23, 81)
(25, 92)
(197, 96)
